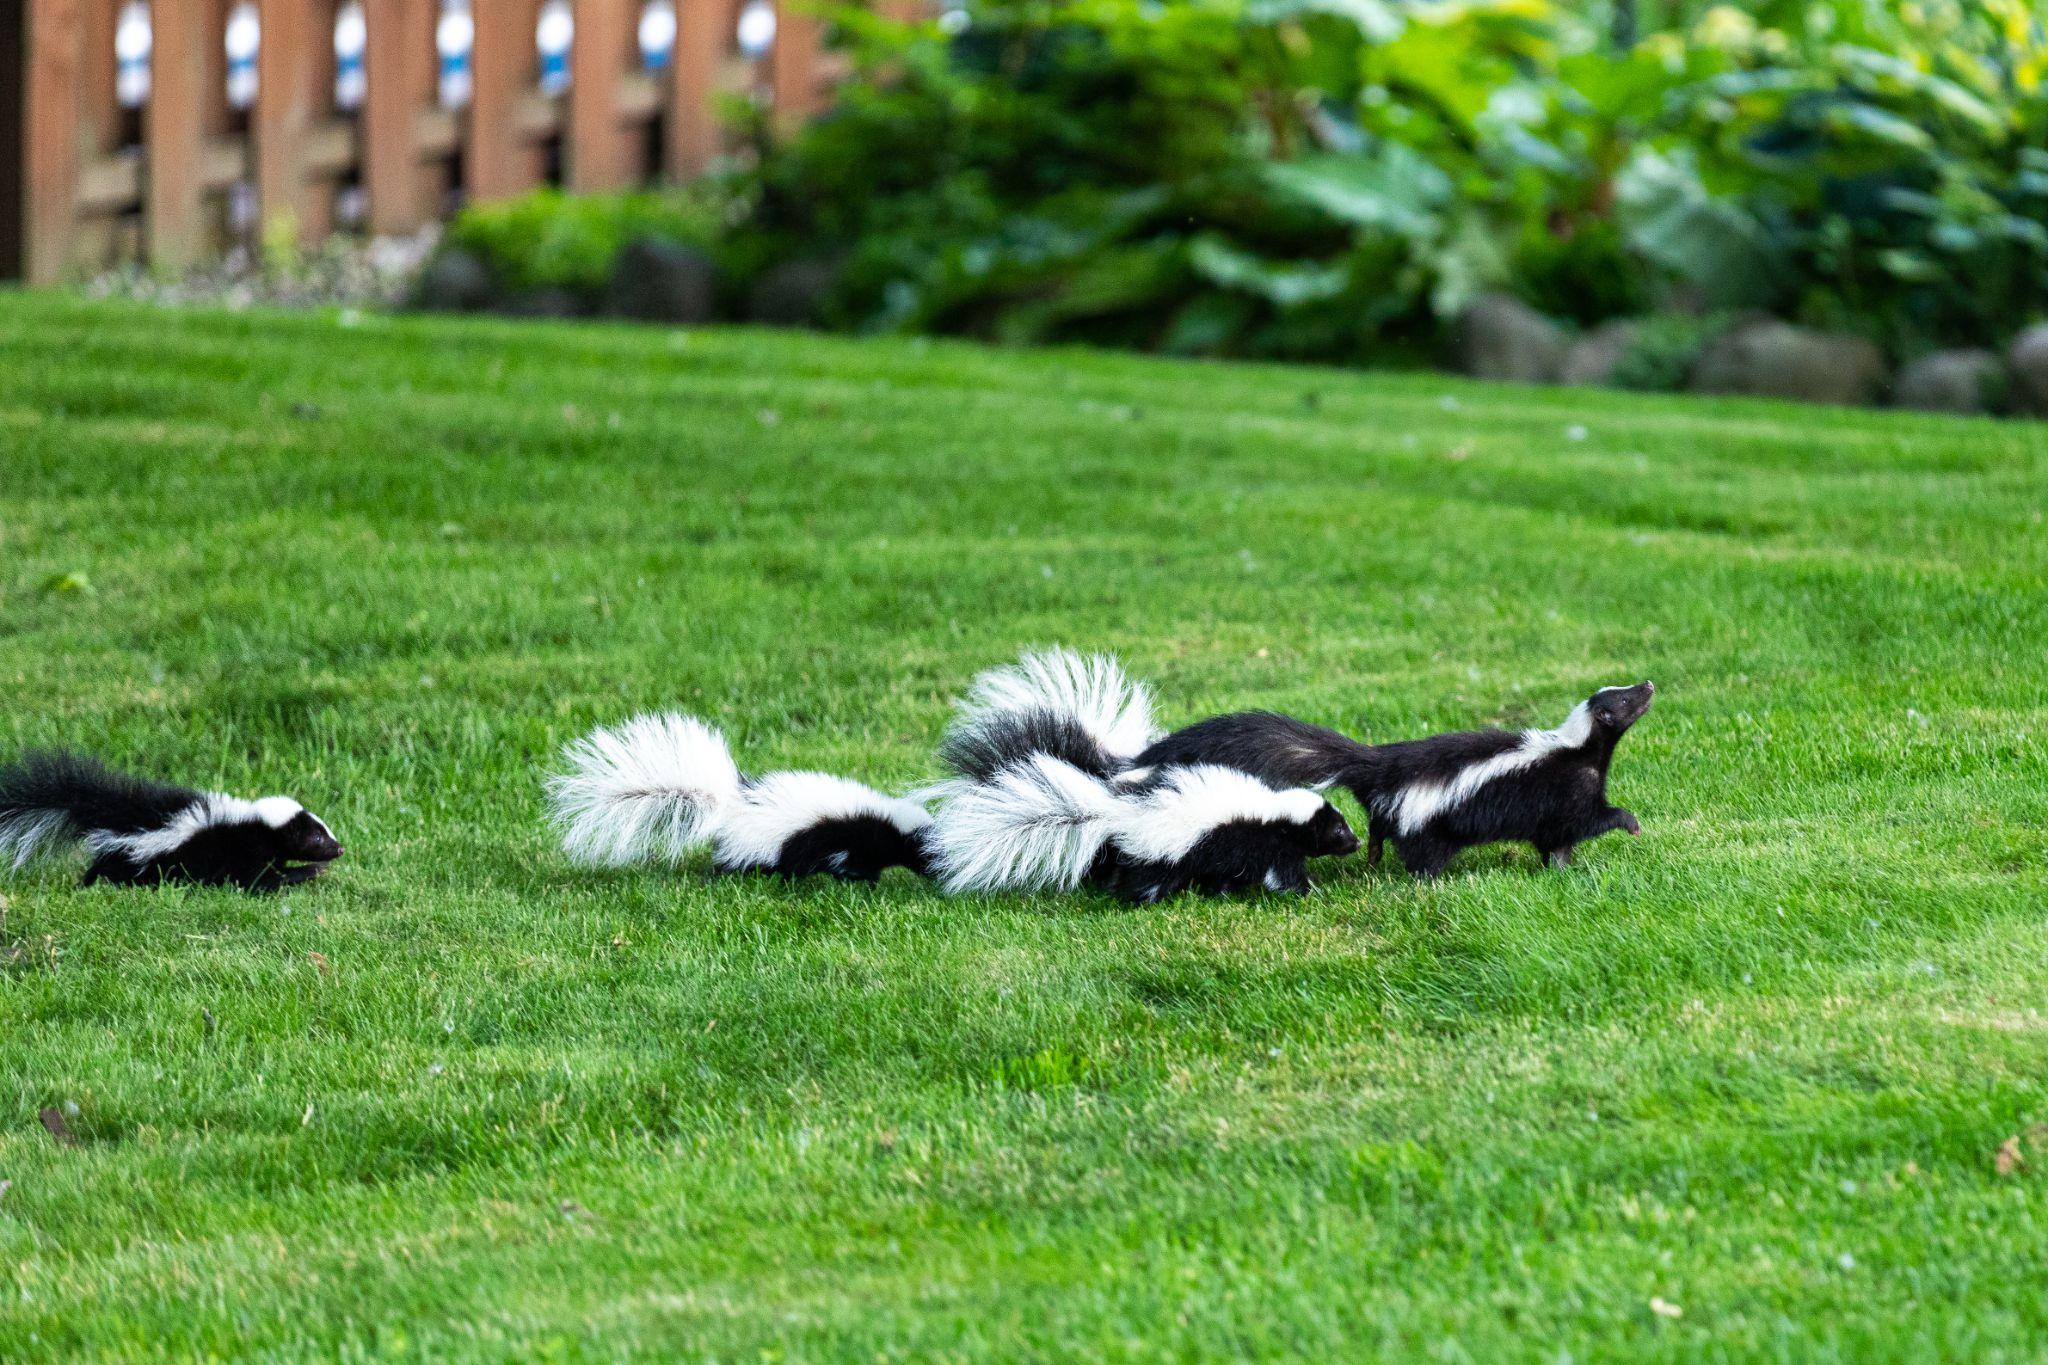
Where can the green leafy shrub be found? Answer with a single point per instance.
(1586, 274)
(548, 239)
(1661, 356)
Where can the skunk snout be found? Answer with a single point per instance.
(306, 839)
(1634, 702)
(1330, 834)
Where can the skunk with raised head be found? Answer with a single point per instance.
(1043, 798)
(143, 833)
(1433, 797)
(659, 786)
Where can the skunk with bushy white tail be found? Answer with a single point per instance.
(659, 786)
(143, 833)
(1433, 797)
(1043, 797)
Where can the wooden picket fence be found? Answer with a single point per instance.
(86, 183)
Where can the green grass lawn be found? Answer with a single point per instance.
(461, 1099)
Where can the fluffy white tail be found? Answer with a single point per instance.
(653, 788)
(1036, 825)
(1092, 689)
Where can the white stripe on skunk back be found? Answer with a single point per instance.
(1092, 689)
(653, 788)
(778, 806)
(1036, 825)
(211, 810)
(1415, 806)
(1163, 824)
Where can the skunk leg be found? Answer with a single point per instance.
(1148, 883)
(1423, 856)
(1376, 835)
(112, 867)
(1617, 818)
(1289, 877)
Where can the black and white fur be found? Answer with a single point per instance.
(659, 786)
(143, 833)
(1044, 798)
(1433, 797)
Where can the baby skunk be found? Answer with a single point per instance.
(1435, 796)
(1041, 800)
(660, 785)
(144, 833)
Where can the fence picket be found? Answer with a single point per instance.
(174, 132)
(596, 140)
(282, 116)
(703, 37)
(396, 71)
(50, 137)
(502, 64)
(793, 65)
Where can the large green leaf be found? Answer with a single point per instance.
(1712, 244)
(1391, 188)
(1285, 284)
(1885, 129)
(1946, 94)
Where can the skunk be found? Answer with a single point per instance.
(660, 785)
(1435, 796)
(1043, 798)
(144, 833)
(1220, 831)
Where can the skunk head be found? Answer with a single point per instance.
(291, 833)
(1329, 834)
(1613, 709)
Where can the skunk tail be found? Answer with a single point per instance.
(1091, 690)
(1029, 809)
(36, 809)
(1037, 825)
(653, 788)
(51, 799)
(1279, 750)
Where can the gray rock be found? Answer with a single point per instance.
(2028, 359)
(1771, 359)
(659, 281)
(1500, 337)
(454, 281)
(1593, 358)
(548, 301)
(792, 294)
(1951, 381)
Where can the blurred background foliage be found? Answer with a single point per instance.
(1337, 179)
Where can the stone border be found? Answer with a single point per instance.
(1500, 337)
